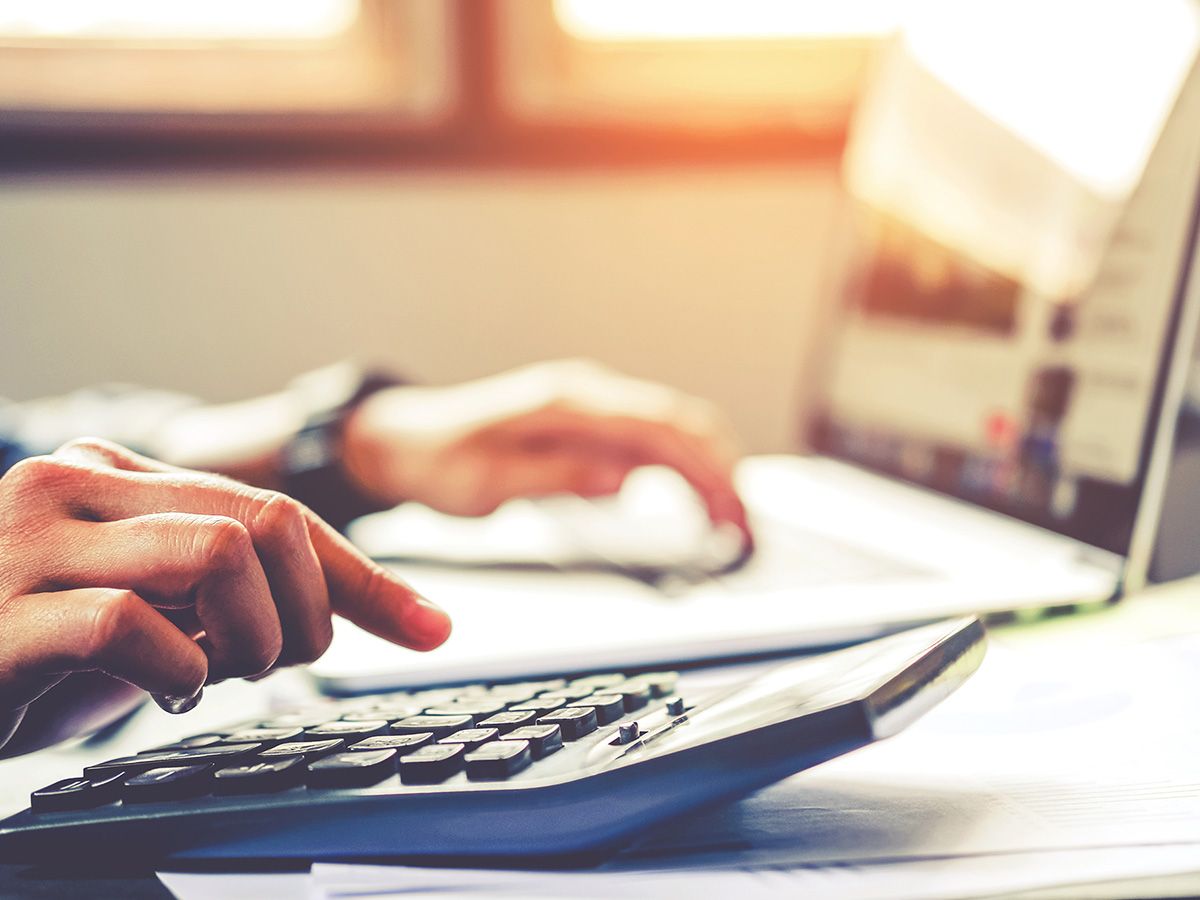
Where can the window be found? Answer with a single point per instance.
(692, 64)
(65, 62)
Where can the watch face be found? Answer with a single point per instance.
(312, 448)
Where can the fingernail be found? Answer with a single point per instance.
(432, 626)
(177, 705)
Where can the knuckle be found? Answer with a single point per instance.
(91, 445)
(225, 543)
(40, 473)
(279, 518)
(315, 643)
(112, 617)
(262, 655)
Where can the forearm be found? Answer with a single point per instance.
(243, 440)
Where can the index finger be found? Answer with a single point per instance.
(373, 597)
(359, 589)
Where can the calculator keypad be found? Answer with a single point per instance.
(480, 731)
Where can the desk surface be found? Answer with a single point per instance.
(1162, 611)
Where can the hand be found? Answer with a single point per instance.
(169, 579)
(558, 427)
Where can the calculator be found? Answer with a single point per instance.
(576, 764)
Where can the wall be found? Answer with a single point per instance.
(226, 285)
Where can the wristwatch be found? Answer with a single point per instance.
(310, 462)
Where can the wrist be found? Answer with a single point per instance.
(370, 457)
(390, 440)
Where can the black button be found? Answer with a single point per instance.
(575, 721)
(552, 684)
(391, 713)
(506, 721)
(298, 720)
(77, 793)
(167, 783)
(660, 683)
(308, 750)
(196, 740)
(260, 776)
(471, 737)
(498, 760)
(189, 756)
(437, 696)
(676, 706)
(432, 763)
(598, 681)
(476, 709)
(350, 731)
(634, 695)
(509, 694)
(567, 695)
(358, 769)
(264, 736)
(608, 707)
(402, 742)
(543, 739)
(438, 726)
(541, 704)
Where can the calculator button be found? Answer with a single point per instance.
(574, 721)
(196, 740)
(598, 681)
(660, 683)
(628, 733)
(260, 776)
(568, 695)
(541, 704)
(436, 696)
(298, 720)
(476, 709)
(509, 694)
(609, 707)
(471, 737)
(498, 760)
(77, 793)
(634, 695)
(391, 713)
(167, 783)
(359, 769)
(550, 684)
(264, 736)
(189, 756)
(438, 726)
(506, 721)
(350, 731)
(543, 739)
(402, 742)
(432, 763)
(307, 750)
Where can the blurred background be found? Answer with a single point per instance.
(213, 196)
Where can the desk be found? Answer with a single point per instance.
(1162, 611)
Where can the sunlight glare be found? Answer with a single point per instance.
(177, 20)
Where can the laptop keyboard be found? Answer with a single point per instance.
(477, 733)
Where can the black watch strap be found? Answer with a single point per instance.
(310, 463)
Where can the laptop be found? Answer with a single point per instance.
(994, 407)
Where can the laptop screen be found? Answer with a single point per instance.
(1023, 196)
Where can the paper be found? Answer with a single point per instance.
(939, 879)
